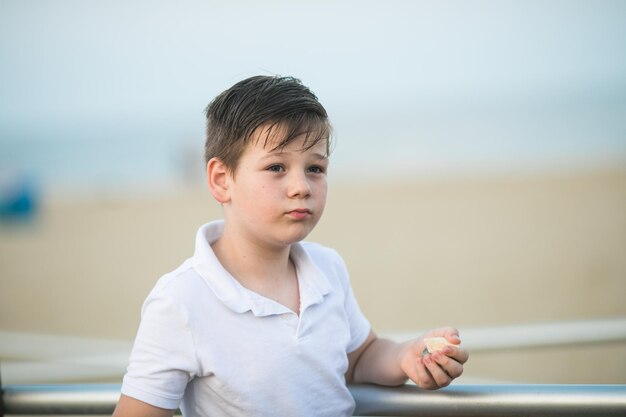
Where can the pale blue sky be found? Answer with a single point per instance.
(412, 87)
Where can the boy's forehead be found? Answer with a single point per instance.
(274, 138)
(268, 135)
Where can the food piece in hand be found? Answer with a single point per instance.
(434, 344)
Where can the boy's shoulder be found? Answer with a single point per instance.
(181, 282)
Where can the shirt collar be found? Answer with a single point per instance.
(313, 284)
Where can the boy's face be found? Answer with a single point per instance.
(277, 196)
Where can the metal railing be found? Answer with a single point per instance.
(456, 401)
(408, 400)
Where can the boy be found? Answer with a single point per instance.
(258, 323)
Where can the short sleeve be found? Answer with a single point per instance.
(359, 325)
(163, 358)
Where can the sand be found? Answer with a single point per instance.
(421, 254)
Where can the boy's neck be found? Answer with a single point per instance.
(266, 271)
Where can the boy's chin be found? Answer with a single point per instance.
(296, 239)
(297, 236)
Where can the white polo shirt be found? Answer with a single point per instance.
(210, 346)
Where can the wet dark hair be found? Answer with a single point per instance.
(276, 104)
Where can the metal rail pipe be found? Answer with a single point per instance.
(408, 400)
(492, 400)
(61, 399)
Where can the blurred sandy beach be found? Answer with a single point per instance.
(524, 97)
(421, 254)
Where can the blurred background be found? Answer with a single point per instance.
(478, 177)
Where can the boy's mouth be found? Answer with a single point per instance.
(299, 213)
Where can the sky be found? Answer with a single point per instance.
(102, 91)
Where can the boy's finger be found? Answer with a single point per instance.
(450, 366)
(449, 332)
(456, 353)
(424, 378)
(438, 374)
(442, 379)
(443, 332)
(453, 338)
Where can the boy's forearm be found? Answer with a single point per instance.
(380, 363)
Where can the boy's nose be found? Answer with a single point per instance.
(299, 186)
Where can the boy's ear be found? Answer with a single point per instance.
(217, 175)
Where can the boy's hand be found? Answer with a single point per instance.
(436, 370)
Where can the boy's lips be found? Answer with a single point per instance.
(299, 213)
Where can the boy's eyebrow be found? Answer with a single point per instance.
(317, 155)
(320, 156)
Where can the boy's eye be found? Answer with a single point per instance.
(275, 168)
(316, 169)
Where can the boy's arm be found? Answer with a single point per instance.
(131, 407)
(383, 362)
